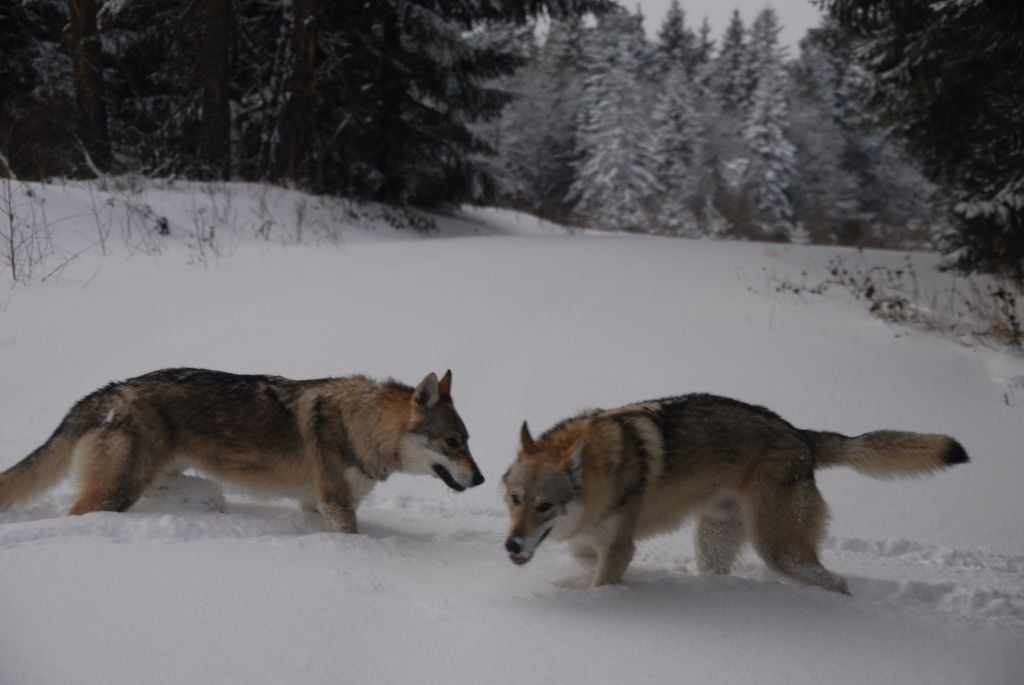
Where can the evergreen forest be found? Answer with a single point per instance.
(894, 123)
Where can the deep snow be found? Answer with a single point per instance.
(535, 324)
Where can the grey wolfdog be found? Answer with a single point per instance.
(605, 478)
(324, 442)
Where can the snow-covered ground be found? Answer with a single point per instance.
(535, 323)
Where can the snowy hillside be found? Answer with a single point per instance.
(535, 323)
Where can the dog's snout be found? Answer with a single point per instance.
(513, 545)
(478, 478)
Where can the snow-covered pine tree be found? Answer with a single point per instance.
(703, 55)
(825, 192)
(410, 84)
(770, 172)
(724, 154)
(798, 234)
(538, 139)
(948, 79)
(562, 69)
(728, 76)
(677, 129)
(852, 174)
(514, 135)
(705, 44)
(374, 100)
(714, 225)
(762, 52)
(648, 58)
(677, 44)
(398, 88)
(405, 85)
(615, 178)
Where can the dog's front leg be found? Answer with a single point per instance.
(613, 560)
(613, 542)
(336, 503)
(339, 516)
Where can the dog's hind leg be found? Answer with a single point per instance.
(787, 524)
(112, 472)
(719, 535)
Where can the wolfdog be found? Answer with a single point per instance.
(325, 442)
(603, 479)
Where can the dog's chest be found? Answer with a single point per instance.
(359, 483)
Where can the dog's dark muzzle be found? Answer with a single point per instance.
(514, 547)
(445, 475)
(463, 461)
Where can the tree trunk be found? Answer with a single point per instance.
(216, 37)
(292, 159)
(85, 57)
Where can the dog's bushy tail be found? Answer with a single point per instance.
(39, 470)
(887, 454)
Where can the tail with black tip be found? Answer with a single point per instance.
(887, 454)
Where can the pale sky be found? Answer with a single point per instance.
(796, 16)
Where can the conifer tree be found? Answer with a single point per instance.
(705, 44)
(714, 225)
(615, 178)
(725, 157)
(375, 100)
(948, 79)
(537, 139)
(411, 86)
(15, 48)
(770, 172)
(677, 128)
(677, 44)
(855, 185)
(766, 126)
(763, 52)
(826, 191)
(703, 59)
(38, 132)
(728, 79)
(168, 75)
(514, 135)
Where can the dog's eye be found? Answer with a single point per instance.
(546, 506)
(515, 499)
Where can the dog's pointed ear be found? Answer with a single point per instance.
(445, 385)
(525, 439)
(574, 464)
(427, 393)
